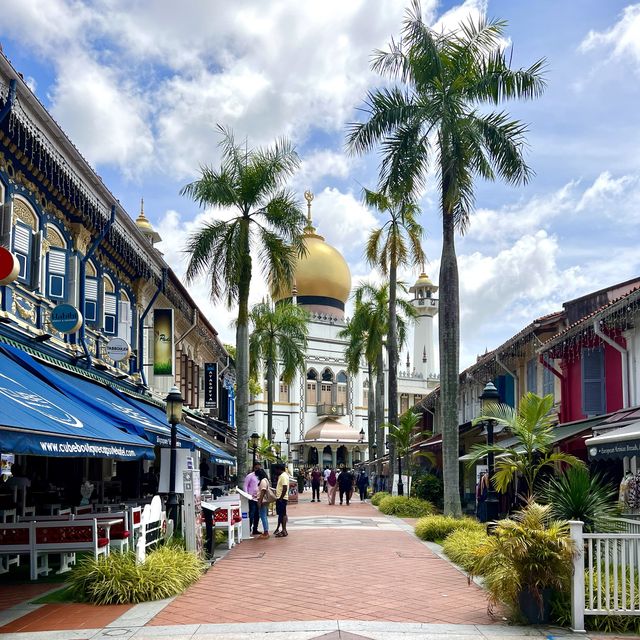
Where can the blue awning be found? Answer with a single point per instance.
(189, 434)
(36, 419)
(217, 455)
(109, 402)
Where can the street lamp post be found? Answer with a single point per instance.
(400, 483)
(253, 443)
(175, 402)
(490, 396)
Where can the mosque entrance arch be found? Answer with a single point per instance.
(312, 456)
(327, 457)
(341, 456)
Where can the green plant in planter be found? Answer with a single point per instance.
(529, 556)
(377, 497)
(463, 546)
(577, 495)
(405, 507)
(438, 527)
(428, 487)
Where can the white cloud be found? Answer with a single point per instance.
(622, 39)
(605, 189)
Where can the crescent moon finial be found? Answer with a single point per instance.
(308, 196)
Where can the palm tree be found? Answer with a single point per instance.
(359, 344)
(402, 435)
(436, 116)
(279, 335)
(395, 244)
(265, 450)
(373, 303)
(268, 218)
(532, 425)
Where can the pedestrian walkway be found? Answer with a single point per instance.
(343, 573)
(338, 562)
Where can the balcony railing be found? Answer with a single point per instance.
(331, 409)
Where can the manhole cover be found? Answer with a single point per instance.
(416, 556)
(257, 556)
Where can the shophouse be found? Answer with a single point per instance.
(94, 327)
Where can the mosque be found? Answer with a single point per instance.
(322, 417)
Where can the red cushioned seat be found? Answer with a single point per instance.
(103, 542)
(119, 535)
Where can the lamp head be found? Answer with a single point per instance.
(361, 435)
(175, 403)
(254, 440)
(489, 396)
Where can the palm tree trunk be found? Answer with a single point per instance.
(392, 349)
(371, 412)
(242, 361)
(380, 407)
(271, 375)
(449, 334)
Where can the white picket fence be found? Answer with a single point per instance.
(606, 576)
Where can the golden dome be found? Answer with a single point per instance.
(145, 226)
(424, 281)
(330, 430)
(321, 273)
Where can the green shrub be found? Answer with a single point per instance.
(461, 546)
(439, 527)
(405, 507)
(428, 487)
(377, 497)
(118, 579)
(528, 552)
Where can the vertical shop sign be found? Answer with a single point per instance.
(210, 385)
(163, 342)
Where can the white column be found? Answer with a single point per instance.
(577, 584)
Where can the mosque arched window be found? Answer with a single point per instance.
(326, 387)
(312, 387)
(283, 392)
(341, 392)
(404, 402)
(365, 393)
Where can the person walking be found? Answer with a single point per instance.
(263, 501)
(332, 486)
(251, 487)
(282, 499)
(316, 476)
(362, 482)
(301, 480)
(345, 485)
(325, 476)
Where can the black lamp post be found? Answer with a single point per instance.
(490, 396)
(253, 443)
(400, 483)
(175, 402)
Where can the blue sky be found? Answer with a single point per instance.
(139, 88)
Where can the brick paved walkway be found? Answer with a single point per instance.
(372, 570)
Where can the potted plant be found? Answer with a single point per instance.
(529, 557)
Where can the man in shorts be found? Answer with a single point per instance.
(282, 499)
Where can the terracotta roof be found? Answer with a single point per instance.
(602, 312)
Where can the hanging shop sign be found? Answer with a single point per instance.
(163, 342)
(626, 448)
(9, 266)
(210, 385)
(118, 349)
(66, 318)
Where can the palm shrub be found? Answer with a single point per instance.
(378, 496)
(438, 527)
(119, 579)
(428, 487)
(533, 427)
(528, 554)
(462, 546)
(405, 507)
(578, 495)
